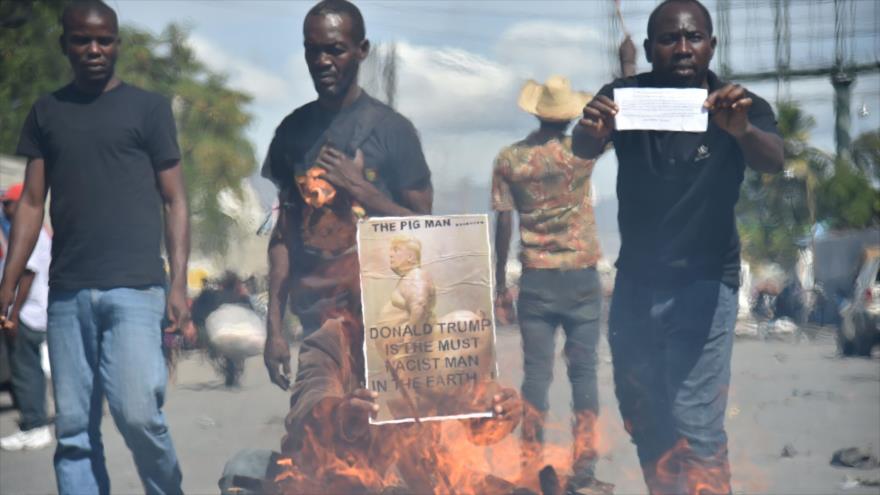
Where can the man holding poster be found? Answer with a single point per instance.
(345, 437)
(675, 298)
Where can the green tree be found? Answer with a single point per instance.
(776, 210)
(866, 154)
(847, 200)
(31, 63)
(211, 123)
(211, 118)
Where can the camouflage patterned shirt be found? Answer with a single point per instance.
(550, 189)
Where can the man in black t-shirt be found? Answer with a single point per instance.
(341, 157)
(674, 306)
(108, 153)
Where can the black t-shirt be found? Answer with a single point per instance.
(677, 192)
(102, 154)
(393, 158)
(324, 237)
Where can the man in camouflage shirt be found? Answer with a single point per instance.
(549, 188)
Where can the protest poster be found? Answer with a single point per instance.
(429, 329)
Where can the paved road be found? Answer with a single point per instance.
(783, 393)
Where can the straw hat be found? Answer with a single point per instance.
(553, 100)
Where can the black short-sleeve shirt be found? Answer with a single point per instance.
(676, 193)
(393, 158)
(324, 238)
(102, 154)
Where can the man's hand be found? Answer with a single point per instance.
(7, 295)
(10, 326)
(729, 108)
(627, 54)
(598, 119)
(353, 414)
(507, 405)
(504, 310)
(507, 411)
(177, 312)
(342, 171)
(276, 356)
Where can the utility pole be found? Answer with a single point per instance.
(842, 80)
(783, 47)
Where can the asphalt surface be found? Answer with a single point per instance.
(792, 404)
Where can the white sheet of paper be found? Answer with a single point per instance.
(661, 109)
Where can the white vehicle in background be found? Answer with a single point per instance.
(859, 327)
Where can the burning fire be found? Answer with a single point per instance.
(678, 470)
(443, 458)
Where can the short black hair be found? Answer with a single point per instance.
(653, 18)
(81, 6)
(342, 7)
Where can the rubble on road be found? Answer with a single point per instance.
(855, 457)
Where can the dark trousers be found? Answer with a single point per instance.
(28, 380)
(571, 299)
(671, 351)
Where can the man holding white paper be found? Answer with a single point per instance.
(674, 306)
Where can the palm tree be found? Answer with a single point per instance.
(866, 154)
(803, 163)
(778, 209)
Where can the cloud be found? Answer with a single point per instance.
(453, 89)
(464, 104)
(538, 49)
(266, 87)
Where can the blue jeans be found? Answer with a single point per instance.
(571, 299)
(108, 343)
(671, 350)
(28, 380)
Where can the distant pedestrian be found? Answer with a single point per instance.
(25, 331)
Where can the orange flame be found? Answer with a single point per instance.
(317, 192)
(677, 470)
(443, 458)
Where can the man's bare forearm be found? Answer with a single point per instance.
(583, 145)
(377, 204)
(503, 232)
(763, 151)
(23, 238)
(24, 289)
(27, 223)
(279, 275)
(177, 240)
(177, 232)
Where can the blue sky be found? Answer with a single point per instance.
(463, 62)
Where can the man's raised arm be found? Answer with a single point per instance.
(729, 107)
(593, 131)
